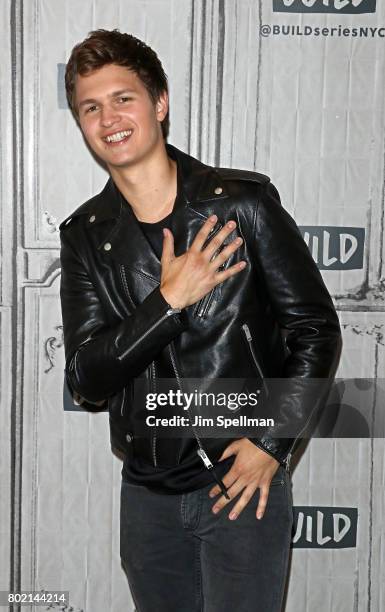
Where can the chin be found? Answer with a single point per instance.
(122, 163)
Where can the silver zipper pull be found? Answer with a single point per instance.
(202, 454)
(210, 466)
(246, 329)
(172, 311)
(287, 462)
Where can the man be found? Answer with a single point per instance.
(179, 270)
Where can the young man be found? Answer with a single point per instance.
(179, 270)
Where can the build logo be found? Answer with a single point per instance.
(335, 248)
(324, 527)
(324, 6)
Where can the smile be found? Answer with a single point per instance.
(118, 136)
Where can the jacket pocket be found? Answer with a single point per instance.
(279, 477)
(276, 482)
(203, 306)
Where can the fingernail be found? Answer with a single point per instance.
(213, 218)
(215, 510)
(238, 241)
(211, 494)
(242, 265)
(232, 516)
(231, 224)
(259, 515)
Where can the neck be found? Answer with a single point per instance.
(149, 186)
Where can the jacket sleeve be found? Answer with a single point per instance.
(304, 309)
(100, 358)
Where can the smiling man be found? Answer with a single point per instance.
(180, 270)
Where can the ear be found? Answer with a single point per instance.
(161, 106)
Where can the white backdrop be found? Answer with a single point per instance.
(306, 109)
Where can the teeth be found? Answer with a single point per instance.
(118, 136)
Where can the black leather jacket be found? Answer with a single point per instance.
(117, 325)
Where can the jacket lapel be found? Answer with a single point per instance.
(121, 240)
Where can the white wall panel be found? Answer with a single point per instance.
(9, 481)
(6, 158)
(72, 481)
(322, 136)
(7, 473)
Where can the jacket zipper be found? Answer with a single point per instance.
(153, 430)
(122, 404)
(152, 370)
(288, 458)
(125, 285)
(290, 453)
(169, 313)
(177, 376)
(200, 451)
(205, 303)
(249, 338)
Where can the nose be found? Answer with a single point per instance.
(109, 116)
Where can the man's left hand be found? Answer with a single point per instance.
(253, 468)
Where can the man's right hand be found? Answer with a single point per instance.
(188, 278)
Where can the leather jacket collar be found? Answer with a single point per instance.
(112, 220)
(198, 183)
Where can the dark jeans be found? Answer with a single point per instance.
(180, 557)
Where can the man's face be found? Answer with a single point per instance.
(117, 116)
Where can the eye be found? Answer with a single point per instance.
(124, 99)
(91, 109)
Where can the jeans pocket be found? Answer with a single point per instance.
(279, 477)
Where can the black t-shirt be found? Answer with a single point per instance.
(190, 473)
(154, 233)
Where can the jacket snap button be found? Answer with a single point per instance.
(92, 218)
(107, 246)
(129, 437)
(218, 190)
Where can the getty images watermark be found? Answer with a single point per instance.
(346, 408)
(185, 401)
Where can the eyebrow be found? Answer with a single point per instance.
(114, 94)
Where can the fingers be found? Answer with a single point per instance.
(232, 271)
(224, 255)
(233, 491)
(168, 247)
(228, 480)
(263, 497)
(214, 245)
(247, 493)
(231, 449)
(246, 496)
(238, 487)
(217, 240)
(203, 233)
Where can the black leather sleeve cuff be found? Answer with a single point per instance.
(155, 302)
(279, 448)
